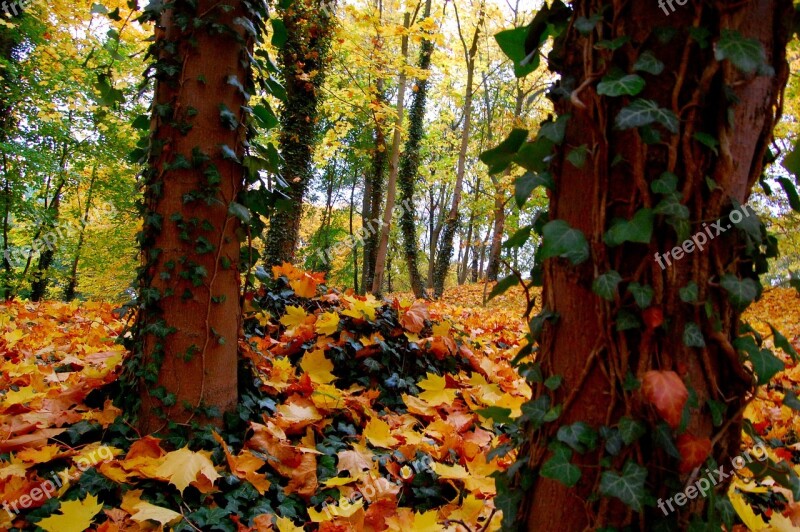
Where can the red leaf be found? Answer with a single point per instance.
(653, 317)
(694, 451)
(666, 391)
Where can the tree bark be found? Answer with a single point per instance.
(409, 166)
(303, 62)
(374, 199)
(72, 282)
(391, 188)
(451, 225)
(189, 312)
(584, 345)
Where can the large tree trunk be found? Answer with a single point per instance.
(373, 198)
(409, 166)
(391, 187)
(189, 315)
(303, 62)
(583, 345)
(451, 225)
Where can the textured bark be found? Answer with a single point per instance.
(197, 291)
(409, 166)
(582, 345)
(451, 225)
(391, 187)
(373, 198)
(303, 61)
(72, 282)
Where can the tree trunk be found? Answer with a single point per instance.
(391, 188)
(467, 247)
(72, 282)
(493, 270)
(303, 62)
(409, 166)
(451, 225)
(189, 315)
(597, 358)
(373, 193)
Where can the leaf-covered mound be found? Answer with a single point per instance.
(355, 414)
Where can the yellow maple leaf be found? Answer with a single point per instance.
(294, 316)
(144, 511)
(427, 522)
(285, 524)
(379, 434)
(75, 516)
(318, 367)
(455, 472)
(22, 396)
(327, 323)
(183, 466)
(436, 392)
(441, 329)
(359, 309)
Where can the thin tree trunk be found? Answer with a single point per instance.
(72, 283)
(409, 167)
(451, 225)
(355, 242)
(374, 191)
(391, 189)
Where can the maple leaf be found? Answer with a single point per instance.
(355, 461)
(694, 451)
(666, 391)
(306, 284)
(76, 516)
(436, 392)
(294, 317)
(318, 367)
(144, 511)
(379, 434)
(245, 466)
(285, 524)
(413, 319)
(182, 467)
(327, 323)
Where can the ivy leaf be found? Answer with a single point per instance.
(526, 184)
(501, 156)
(792, 161)
(577, 156)
(765, 365)
(559, 468)
(240, 211)
(791, 193)
(503, 286)
(649, 63)
(667, 183)
(689, 293)
(643, 112)
(605, 285)
(639, 229)
(519, 238)
(627, 320)
(561, 240)
(747, 55)
(265, 117)
(627, 487)
(707, 140)
(228, 153)
(741, 292)
(693, 336)
(791, 400)
(555, 131)
(279, 33)
(781, 342)
(512, 43)
(631, 430)
(620, 84)
(642, 294)
(613, 44)
(580, 436)
(586, 25)
(533, 155)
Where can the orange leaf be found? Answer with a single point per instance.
(413, 319)
(667, 392)
(694, 451)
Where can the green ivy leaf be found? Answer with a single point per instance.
(791, 193)
(766, 365)
(559, 468)
(781, 342)
(619, 84)
(717, 409)
(526, 184)
(667, 183)
(792, 161)
(553, 382)
(555, 131)
(662, 436)
(503, 286)
(649, 63)
(643, 112)
(627, 487)
(519, 238)
(631, 430)
(627, 320)
(790, 399)
(512, 43)
(580, 436)
(605, 285)
(586, 25)
(577, 156)
(279, 33)
(497, 414)
(708, 141)
(639, 229)
(501, 156)
(689, 293)
(533, 156)
(613, 44)
(748, 55)
(561, 240)
(741, 292)
(693, 336)
(240, 211)
(642, 294)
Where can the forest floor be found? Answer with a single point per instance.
(362, 415)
